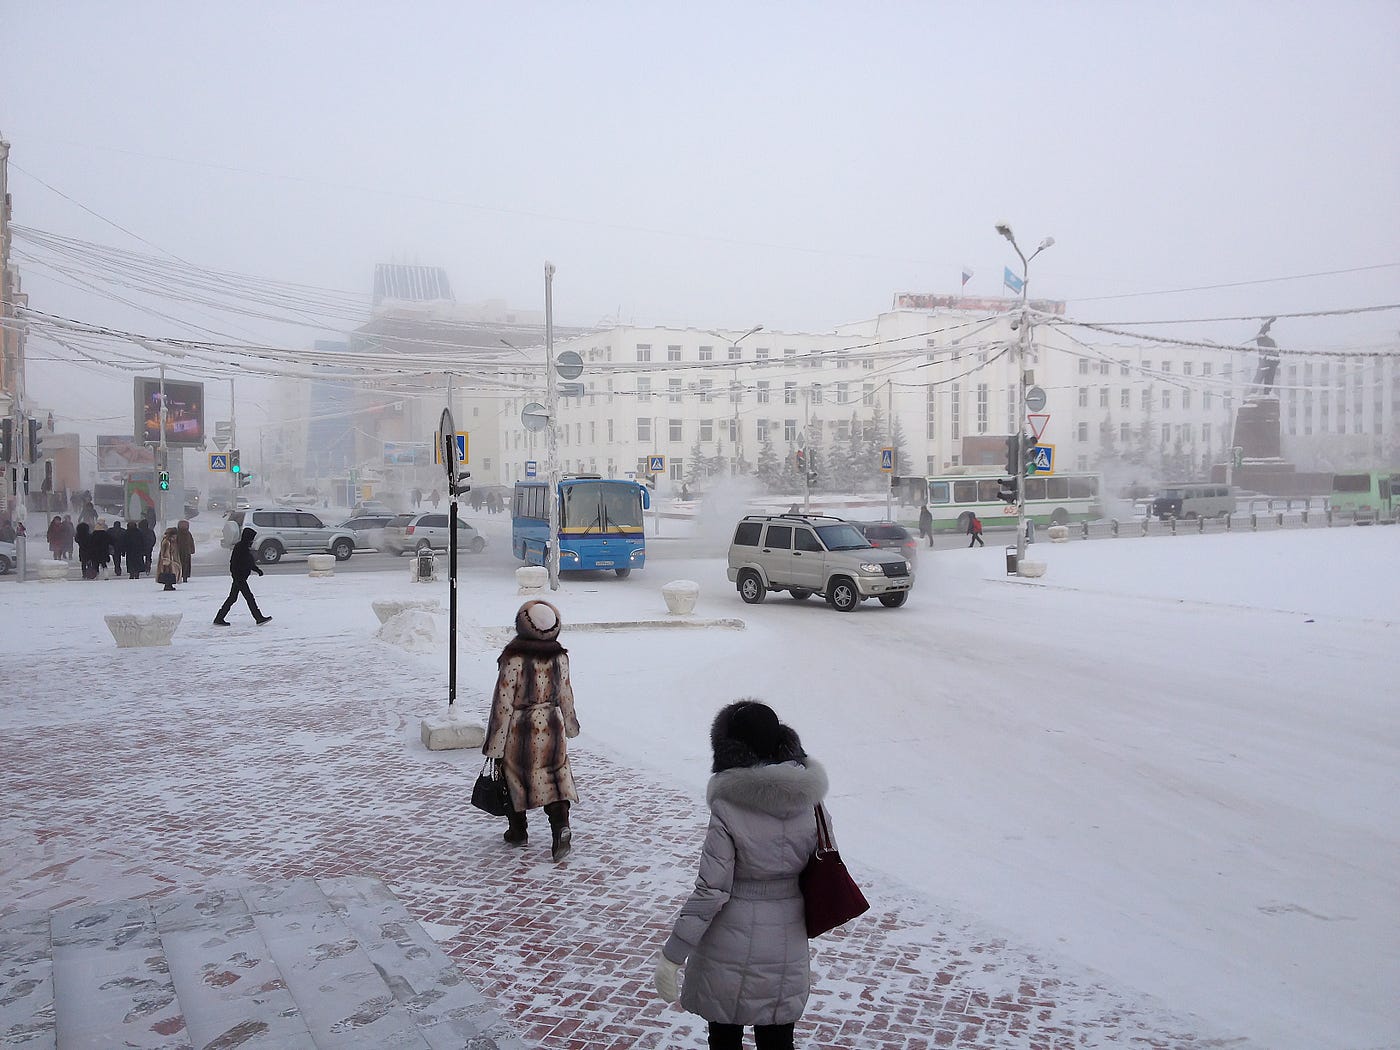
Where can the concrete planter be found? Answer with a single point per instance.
(387, 610)
(1032, 569)
(681, 596)
(137, 630)
(320, 564)
(531, 579)
(1058, 533)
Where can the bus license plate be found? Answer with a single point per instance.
(604, 564)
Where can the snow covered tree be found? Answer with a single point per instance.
(768, 469)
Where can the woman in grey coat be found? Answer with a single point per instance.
(741, 936)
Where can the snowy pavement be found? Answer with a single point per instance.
(1151, 797)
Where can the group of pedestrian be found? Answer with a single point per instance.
(741, 937)
(492, 501)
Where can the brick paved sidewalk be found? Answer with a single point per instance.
(114, 794)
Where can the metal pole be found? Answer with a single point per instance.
(551, 442)
(806, 461)
(1021, 348)
(161, 459)
(447, 446)
(889, 422)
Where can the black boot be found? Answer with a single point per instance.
(558, 813)
(516, 834)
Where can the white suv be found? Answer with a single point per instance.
(282, 530)
(807, 554)
(421, 532)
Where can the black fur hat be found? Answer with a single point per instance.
(748, 733)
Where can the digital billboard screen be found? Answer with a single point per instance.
(184, 411)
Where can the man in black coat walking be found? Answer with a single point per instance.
(241, 565)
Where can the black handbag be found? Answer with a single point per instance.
(489, 793)
(830, 897)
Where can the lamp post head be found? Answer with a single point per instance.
(1049, 242)
(1005, 231)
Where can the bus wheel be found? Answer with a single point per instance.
(751, 587)
(1059, 517)
(622, 574)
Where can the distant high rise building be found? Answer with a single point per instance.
(413, 284)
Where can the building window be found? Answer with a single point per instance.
(763, 391)
(816, 393)
(644, 428)
(1166, 399)
(733, 430)
(1186, 399)
(1123, 398)
(643, 351)
(677, 468)
(674, 390)
(1125, 433)
(761, 353)
(1166, 434)
(930, 414)
(867, 395)
(1083, 432)
(1082, 463)
(1122, 368)
(761, 430)
(707, 393)
(610, 431)
(983, 396)
(1103, 397)
(707, 353)
(789, 430)
(1205, 399)
(1084, 366)
(843, 394)
(843, 362)
(790, 352)
(954, 417)
(735, 353)
(643, 388)
(1103, 368)
(1166, 368)
(1147, 399)
(868, 363)
(707, 430)
(677, 431)
(1083, 393)
(1205, 433)
(592, 432)
(789, 393)
(673, 353)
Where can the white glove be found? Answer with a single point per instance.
(668, 979)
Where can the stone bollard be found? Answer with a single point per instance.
(531, 579)
(53, 570)
(320, 565)
(1254, 522)
(1032, 569)
(1144, 525)
(1201, 524)
(1173, 521)
(387, 610)
(1084, 529)
(1058, 534)
(138, 631)
(680, 596)
(1280, 519)
(1305, 515)
(1113, 527)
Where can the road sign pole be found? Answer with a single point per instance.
(551, 434)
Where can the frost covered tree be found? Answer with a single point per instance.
(768, 469)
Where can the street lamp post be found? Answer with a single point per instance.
(1022, 348)
(551, 436)
(734, 344)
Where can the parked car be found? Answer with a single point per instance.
(807, 554)
(8, 557)
(297, 499)
(371, 506)
(368, 529)
(890, 536)
(281, 531)
(416, 532)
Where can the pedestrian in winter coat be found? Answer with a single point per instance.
(101, 548)
(168, 564)
(55, 537)
(89, 514)
(742, 935)
(186, 541)
(241, 565)
(532, 713)
(69, 535)
(83, 537)
(148, 545)
(134, 547)
(116, 541)
(435, 499)
(926, 524)
(974, 529)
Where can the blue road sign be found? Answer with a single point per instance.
(1044, 459)
(532, 468)
(887, 460)
(656, 464)
(218, 461)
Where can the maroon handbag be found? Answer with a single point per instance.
(830, 896)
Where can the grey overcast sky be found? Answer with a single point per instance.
(789, 164)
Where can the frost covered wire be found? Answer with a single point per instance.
(1238, 348)
(1237, 284)
(1254, 317)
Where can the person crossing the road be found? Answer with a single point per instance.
(241, 565)
(974, 529)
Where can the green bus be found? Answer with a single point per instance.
(1370, 495)
(1051, 499)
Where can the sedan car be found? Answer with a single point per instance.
(368, 529)
(890, 536)
(417, 532)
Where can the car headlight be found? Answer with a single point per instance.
(870, 566)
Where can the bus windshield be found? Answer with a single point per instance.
(597, 505)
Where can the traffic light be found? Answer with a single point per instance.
(1013, 456)
(164, 480)
(1016, 464)
(36, 441)
(811, 477)
(801, 460)
(236, 469)
(1006, 490)
(7, 440)
(464, 482)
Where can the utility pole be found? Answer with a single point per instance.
(551, 438)
(889, 422)
(806, 455)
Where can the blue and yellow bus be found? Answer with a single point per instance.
(600, 523)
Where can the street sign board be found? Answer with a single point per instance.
(532, 468)
(461, 437)
(568, 364)
(570, 389)
(218, 461)
(1038, 424)
(887, 460)
(1043, 459)
(1035, 399)
(534, 416)
(656, 463)
(222, 443)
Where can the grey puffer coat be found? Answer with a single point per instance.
(741, 936)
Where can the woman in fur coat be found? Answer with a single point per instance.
(532, 713)
(742, 935)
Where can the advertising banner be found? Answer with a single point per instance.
(408, 453)
(120, 454)
(184, 411)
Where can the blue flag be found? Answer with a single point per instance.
(1012, 281)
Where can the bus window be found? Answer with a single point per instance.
(964, 492)
(1057, 488)
(987, 490)
(1081, 488)
(938, 492)
(1351, 483)
(1035, 488)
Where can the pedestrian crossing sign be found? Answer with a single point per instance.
(1043, 459)
(461, 438)
(656, 464)
(887, 460)
(218, 461)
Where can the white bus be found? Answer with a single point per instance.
(1051, 499)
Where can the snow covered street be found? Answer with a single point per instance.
(1154, 795)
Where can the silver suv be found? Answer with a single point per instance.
(282, 530)
(807, 554)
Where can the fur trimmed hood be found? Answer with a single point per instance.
(780, 789)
